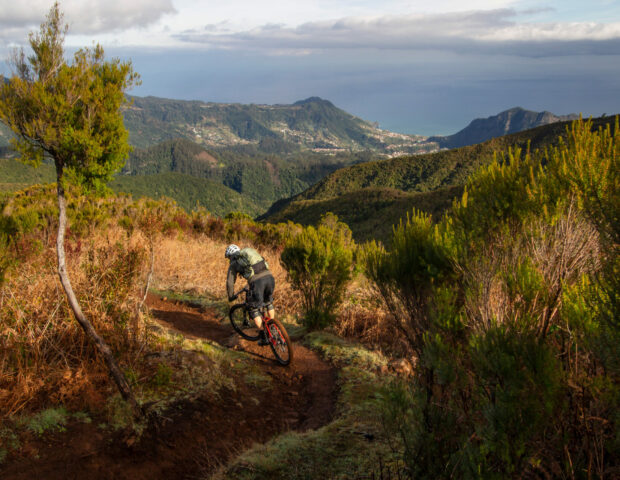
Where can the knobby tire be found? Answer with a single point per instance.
(283, 350)
(242, 323)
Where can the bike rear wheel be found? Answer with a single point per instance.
(279, 342)
(242, 323)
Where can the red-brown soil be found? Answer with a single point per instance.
(194, 437)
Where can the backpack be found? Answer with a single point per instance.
(250, 262)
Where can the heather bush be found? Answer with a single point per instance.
(319, 264)
(406, 276)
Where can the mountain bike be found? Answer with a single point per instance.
(277, 337)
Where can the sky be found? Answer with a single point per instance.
(412, 66)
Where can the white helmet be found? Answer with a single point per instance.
(231, 250)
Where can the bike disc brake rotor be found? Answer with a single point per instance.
(275, 335)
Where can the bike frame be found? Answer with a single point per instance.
(264, 313)
(272, 339)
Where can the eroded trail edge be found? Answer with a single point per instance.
(195, 436)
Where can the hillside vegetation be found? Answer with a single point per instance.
(373, 184)
(486, 341)
(188, 192)
(423, 173)
(263, 178)
(371, 213)
(14, 175)
(268, 153)
(510, 304)
(491, 339)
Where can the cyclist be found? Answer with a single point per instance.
(249, 264)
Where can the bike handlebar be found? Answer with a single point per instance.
(244, 289)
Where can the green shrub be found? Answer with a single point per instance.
(50, 419)
(511, 304)
(517, 392)
(406, 275)
(319, 263)
(163, 376)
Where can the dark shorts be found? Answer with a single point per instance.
(261, 292)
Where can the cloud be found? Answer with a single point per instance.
(83, 16)
(489, 31)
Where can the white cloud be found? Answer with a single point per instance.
(483, 31)
(282, 26)
(83, 16)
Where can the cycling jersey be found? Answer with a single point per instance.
(239, 266)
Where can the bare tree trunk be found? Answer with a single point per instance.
(149, 278)
(150, 275)
(103, 348)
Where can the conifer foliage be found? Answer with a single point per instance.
(69, 112)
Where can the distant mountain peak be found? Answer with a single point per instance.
(314, 100)
(513, 120)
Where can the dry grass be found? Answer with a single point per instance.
(44, 356)
(197, 265)
(363, 317)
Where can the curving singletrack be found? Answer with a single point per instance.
(196, 436)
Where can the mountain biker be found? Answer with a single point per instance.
(249, 264)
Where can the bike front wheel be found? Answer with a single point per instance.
(279, 342)
(242, 323)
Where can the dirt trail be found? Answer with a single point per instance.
(195, 437)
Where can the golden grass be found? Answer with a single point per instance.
(197, 265)
(44, 356)
(362, 316)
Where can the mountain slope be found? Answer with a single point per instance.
(421, 173)
(311, 124)
(509, 121)
(14, 175)
(187, 191)
(375, 194)
(264, 178)
(369, 212)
